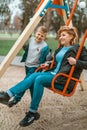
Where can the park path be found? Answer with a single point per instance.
(16, 61)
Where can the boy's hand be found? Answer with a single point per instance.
(24, 47)
(71, 60)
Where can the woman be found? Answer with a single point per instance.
(64, 59)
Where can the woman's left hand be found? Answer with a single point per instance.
(71, 60)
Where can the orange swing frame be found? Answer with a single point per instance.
(68, 76)
(54, 2)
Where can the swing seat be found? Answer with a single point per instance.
(64, 91)
(54, 84)
(69, 76)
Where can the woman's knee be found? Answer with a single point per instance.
(38, 79)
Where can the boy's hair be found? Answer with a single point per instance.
(70, 30)
(43, 29)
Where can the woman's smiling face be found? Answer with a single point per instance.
(65, 38)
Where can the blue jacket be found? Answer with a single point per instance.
(43, 55)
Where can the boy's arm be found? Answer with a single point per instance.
(25, 46)
(45, 54)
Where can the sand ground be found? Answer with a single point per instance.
(57, 112)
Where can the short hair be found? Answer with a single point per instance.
(43, 29)
(70, 30)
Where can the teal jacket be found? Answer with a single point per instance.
(43, 55)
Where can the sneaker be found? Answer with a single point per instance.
(12, 103)
(4, 98)
(29, 118)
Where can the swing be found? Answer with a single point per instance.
(69, 76)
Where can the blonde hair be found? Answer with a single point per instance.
(42, 29)
(70, 30)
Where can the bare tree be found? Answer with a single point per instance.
(29, 11)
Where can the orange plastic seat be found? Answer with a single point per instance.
(68, 76)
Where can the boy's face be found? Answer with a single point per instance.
(40, 36)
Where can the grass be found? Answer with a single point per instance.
(5, 46)
(52, 43)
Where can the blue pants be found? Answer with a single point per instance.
(28, 71)
(38, 81)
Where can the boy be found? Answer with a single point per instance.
(35, 54)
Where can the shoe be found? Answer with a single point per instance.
(29, 118)
(12, 103)
(4, 98)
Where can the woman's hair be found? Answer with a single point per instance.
(70, 30)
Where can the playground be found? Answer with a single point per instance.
(57, 112)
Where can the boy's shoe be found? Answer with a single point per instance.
(29, 118)
(12, 103)
(4, 98)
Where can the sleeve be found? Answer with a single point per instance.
(44, 53)
(49, 56)
(82, 61)
(25, 46)
(25, 54)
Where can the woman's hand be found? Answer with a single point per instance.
(71, 60)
